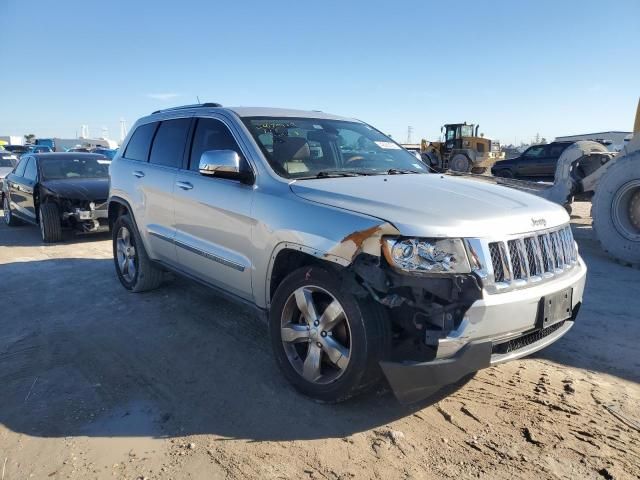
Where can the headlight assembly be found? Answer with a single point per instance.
(445, 255)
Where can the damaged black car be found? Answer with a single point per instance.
(58, 191)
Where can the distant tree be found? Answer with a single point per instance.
(30, 138)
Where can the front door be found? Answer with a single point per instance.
(213, 216)
(21, 188)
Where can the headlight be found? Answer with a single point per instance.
(446, 255)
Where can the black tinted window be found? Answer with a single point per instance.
(212, 135)
(168, 146)
(21, 166)
(138, 147)
(556, 150)
(31, 170)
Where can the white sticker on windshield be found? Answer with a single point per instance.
(104, 162)
(318, 127)
(417, 165)
(388, 145)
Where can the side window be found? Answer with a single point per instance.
(140, 143)
(21, 166)
(535, 152)
(212, 134)
(168, 145)
(556, 150)
(31, 170)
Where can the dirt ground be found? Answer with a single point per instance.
(177, 383)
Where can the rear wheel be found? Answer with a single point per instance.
(50, 226)
(135, 270)
(326, 342)
(616, 210)
(478, 170)
(9, 218)
(460, 163)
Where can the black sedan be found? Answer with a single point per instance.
(56, 190)
(537, 161)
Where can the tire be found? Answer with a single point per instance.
(9, 219)
(478, 170)
(460, 163)
(615, 210)
(134, 268)
(363, 333)
(50, 225)
(504, 173)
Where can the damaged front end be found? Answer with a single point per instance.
(425, 309)
(85, 216)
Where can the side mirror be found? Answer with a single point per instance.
(224, 164)
(219, 161)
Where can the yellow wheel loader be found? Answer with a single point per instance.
(461, 150)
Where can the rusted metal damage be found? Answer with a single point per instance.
(366, 241)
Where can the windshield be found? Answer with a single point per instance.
(58, 168)
(5, 162)
(308, 147)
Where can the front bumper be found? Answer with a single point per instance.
(495, 329)
(94, 220)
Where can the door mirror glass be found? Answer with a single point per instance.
(214, 162)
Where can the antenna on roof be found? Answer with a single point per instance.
(198, 98)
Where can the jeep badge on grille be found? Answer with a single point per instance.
(538, 222)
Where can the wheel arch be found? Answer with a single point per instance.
(287, 257)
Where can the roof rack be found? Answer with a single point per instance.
(184, 107)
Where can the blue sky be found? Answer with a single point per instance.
(515, 67)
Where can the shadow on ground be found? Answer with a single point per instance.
(81, 356)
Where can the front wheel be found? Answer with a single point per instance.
(50, 226)
(326, 342)
(460, 163)
(135, 270)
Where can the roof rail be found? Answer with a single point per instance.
(184, 107)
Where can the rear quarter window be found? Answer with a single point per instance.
(140, 142)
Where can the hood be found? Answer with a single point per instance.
(432, 205)
(90, 189)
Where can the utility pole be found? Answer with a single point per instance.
(123, 129)
(409, 132)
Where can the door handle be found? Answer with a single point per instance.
(138, 173)
(184, 185)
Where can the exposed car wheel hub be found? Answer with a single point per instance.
(316, 334)
(126, 253)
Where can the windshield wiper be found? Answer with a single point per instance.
(339, 173)
(398, 171)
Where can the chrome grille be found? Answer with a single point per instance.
(532, 257)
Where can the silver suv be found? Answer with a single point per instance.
(363, 263)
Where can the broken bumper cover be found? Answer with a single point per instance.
(481, 340)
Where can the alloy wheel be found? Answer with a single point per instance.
(126, 253)
(316, 335)
(5, 210)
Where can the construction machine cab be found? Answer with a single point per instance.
(455, 133)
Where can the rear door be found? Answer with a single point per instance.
(165, 159)
(153, 156)
(547, 166)
(528, 164)
(213, 215)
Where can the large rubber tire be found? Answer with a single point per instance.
(617, 240)
(478, 170)
(147, 276)
(50, 223)
(460, 163)
(369, 341)
(9, 218)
